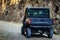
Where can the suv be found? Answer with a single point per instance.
(37, 20)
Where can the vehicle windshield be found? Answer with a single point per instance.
(38, 13)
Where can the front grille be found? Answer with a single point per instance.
(40, 25)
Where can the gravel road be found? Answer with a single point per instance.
(12, 31)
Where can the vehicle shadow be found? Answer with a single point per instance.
(37, 36)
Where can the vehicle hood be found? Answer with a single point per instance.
(42, 21)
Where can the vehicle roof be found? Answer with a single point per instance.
(37, 7)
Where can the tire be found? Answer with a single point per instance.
(28, 33)
(22, 30)
(50, 35)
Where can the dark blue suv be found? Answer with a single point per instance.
(37, 20)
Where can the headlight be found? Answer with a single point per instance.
(28, 21)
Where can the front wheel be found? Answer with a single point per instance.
(50, 35)
(22, 30)
(28, 33)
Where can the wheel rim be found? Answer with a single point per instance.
(50, 35)
(28, 33)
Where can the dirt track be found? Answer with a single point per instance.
(12, 31)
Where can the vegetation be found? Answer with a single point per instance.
(14, 10)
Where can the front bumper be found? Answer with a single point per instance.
(41, 27)
(37, 26)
